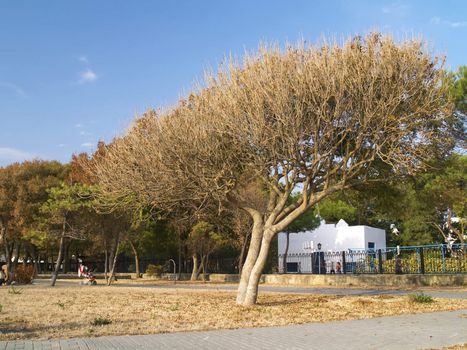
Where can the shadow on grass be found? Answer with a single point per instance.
(320, 299)
(20, 331)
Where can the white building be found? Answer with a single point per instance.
(331, 238)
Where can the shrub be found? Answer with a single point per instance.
(174, 307)
(420, 298)
(99, 321)
(13, 290)
(154, 270)
(433, 264)
(24, 274)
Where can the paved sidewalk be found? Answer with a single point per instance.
(432, 330)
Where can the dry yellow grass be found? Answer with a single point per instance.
(69, 310)
(454, 347)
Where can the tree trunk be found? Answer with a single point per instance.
(67, 262)
(205, 268)
(114, 259)
(284, 261)
(255, 275)
(32, 252)
(4, 240)
(179, 254)
(52, 261)
(201, 268)
(16, 251)
(8, 250)
(59, 259)
(111, 255)
(241, 258)
(135, 253)
(194, 272)
(106, 263)
(2, 231)
(253, 251)
(9, 254)
(37, 265)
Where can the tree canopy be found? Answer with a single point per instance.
(321, 118)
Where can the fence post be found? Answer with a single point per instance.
(344, 265)
(422, 261)
(380, 261)
(312, 263)
(442, 256)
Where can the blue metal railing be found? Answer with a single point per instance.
(440, 258)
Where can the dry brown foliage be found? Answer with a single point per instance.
(24, 274)
(68, 310)
(318, 119)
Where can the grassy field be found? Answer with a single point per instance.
(70, 310)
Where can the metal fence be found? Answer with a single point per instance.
(126, 264)
(394, 260)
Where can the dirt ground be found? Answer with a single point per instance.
(71, 310)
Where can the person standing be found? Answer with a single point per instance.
(4, 275)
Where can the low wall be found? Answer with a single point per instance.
(220, 277)
(175, 276)
(354, 280)
(348, 280)
(369, 280)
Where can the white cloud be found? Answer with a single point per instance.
(87, 76)
(452, 24)
(457, 24)
(61, 145)
(396, 8)
(7, 153)
(87, 145)
(12, 87)
(84, 133)
(78, 125)
(83, 58)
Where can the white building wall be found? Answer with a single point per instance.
(349, 237)
(333, 237)
(375, 235)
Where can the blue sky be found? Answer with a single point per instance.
(72, 73)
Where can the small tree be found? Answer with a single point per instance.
(202, 241)
(23, 189)
(442, 195)
(458, 91)
(60, 211)
(108, 222)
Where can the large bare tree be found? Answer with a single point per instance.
(314, 119)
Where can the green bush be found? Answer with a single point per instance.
(420, 298)
(154, 270)
(410, 263)
(433, 264)
(101, 321)
(13, 290)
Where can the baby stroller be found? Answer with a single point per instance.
(89, 278)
